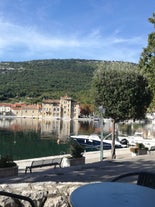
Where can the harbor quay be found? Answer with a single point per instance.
(57, 184)
(92, 159)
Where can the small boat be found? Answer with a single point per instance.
(138, 138)
(94, 141)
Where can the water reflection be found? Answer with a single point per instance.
(29, 138)
(48, 128)
(26, 138)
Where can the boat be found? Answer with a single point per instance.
(138, 138)
(94, 141)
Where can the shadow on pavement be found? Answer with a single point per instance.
(94, 172)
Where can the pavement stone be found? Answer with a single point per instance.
(93, 171)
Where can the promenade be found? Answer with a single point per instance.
(94, 169)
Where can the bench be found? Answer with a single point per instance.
(44, 163)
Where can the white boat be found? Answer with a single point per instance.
(131, 140)
(94, 141)
(138, 138)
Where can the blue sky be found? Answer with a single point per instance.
(114, 30)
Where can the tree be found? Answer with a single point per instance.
(124, 93)
(86, 109)
(147, 60)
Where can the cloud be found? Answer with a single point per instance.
(25, 42)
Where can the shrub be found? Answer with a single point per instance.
(7, 161)
(139, 146)
(76, 149)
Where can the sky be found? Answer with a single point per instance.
(112, 30)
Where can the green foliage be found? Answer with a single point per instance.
(7, 161)
(140, 146)
(31, 81)
(76, 149)
(147, 60)
(44, 79)
(122, 91)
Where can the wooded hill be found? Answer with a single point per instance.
(31, 81)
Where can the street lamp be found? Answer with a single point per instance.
(102, 112)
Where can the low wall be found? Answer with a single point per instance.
(90, 157)
(57, 193)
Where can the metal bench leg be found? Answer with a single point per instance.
(26, 169)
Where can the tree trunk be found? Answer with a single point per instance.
(113, 154)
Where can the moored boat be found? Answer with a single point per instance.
(138, 138)
(94, 141)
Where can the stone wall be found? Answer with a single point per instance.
(57, 193)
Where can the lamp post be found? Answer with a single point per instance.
(102, 112)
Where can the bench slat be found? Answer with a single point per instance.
(47, 162)
(44, 163)
(37, 163)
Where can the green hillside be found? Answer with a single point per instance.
(31, 81)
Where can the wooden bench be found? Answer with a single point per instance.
(44, 163)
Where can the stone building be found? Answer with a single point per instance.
(65, 108)
(5, 109)
(24, 110)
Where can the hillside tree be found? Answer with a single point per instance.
(123, 93)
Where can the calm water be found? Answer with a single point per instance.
(31, 138)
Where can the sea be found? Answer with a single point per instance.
(26, 138)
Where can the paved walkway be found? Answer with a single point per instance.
(94, 170)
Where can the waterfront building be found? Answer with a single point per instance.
(5, 109)
(65, 108)
(26, 110)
